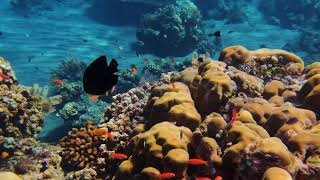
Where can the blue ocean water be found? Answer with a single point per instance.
(50, 36)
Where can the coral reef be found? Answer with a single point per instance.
(228, 10)
(8, 76)
(162, 144)
(173, 104)
(176, 26)
(264, 63)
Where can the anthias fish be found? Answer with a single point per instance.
(133, 69)
(203, 178)
(58, 82)
(234, 115)
(167, 175)
(197, 161)
(218, 178)
(94, 97)
(99, 77)
(119, 156)
(100, 131)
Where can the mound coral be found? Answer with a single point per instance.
(263, 63)
(163, 147)
(176, 25)
(276, 173)
(173, 104)
(310, 92)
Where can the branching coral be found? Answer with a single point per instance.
(71, 70)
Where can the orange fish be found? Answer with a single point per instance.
(197, 162)
(89, 122)
(234, 115)
(119, 156)
(167, 175)
(100, 131)
(113, 89)
(203, 178)
(58, 81)
(4, 155)
(218, 178)
(4, 76)
(173, 85)
(133, 69)
(94, 97)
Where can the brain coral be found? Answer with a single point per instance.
(172, 104)
(163, 147)
(263, 63)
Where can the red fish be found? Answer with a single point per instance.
(203, 178)
(58, 81)
(218, 178)
(167, 175)
(197, 162)
(94, 97)
(109, 135)
(234, 115)
(133, 69)
(119, 156)
(4, 76)
(113, 89)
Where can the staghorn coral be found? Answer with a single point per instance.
(157, 148)
(264, 63)
(81, 149)
(172, 104)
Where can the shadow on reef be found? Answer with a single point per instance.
(115, 12)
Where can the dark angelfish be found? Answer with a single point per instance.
(99, 77)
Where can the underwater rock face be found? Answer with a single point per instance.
(176, 26)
